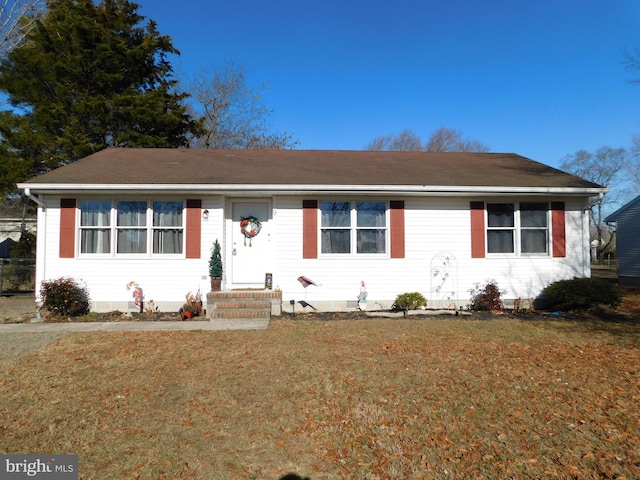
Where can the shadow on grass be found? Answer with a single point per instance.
(601, 322)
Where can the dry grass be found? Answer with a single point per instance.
(367, 399)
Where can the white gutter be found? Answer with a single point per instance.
(27, 192)
(305, 188)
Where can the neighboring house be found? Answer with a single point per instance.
(436, 223)
(11, 230)
(627, 221)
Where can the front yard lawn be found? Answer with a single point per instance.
(369, 399)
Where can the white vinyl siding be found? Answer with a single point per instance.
(164, 278)
(437, 230)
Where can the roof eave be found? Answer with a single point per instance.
(613, 217)
(308, 189)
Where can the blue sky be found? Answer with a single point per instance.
(540, 78)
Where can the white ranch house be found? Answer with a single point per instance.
(436, 223)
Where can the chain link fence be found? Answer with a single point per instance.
(17, 275)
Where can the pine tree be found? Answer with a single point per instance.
(89, 77)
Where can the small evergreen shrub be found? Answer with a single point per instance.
(487, 297)
(579, 293)
(215, 261)
(64, 296)
(409, 301)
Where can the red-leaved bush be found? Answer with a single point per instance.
(65, 296)
(487, 296)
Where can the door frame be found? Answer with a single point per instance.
(267, 225)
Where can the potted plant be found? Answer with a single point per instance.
(215, 267)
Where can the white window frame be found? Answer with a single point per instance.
(143, 227)
(517, 230)
(148, 227)
(89, 228)
(354, 228)
(166, 229)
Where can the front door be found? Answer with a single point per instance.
(250, 256)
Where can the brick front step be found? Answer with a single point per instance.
(243, 304)
(240, 314)
(250, 294)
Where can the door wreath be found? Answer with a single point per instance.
(250, 227)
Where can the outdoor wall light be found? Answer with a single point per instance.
(205, 214)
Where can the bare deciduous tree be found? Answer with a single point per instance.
(17, 18)
(450, 140)
(233, 114)
(632, 63)
(602, 168)
(442, 140)
(405, 141)
(632, 168)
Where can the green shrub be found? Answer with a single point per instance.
(579, 293)
(25, 247)
(64, 296)
(215, 261)
(487, 297)
(409, 301)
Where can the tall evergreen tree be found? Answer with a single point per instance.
(88, 77)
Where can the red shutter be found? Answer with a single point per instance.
(477, 230)
(559, 241)
(396, 222)
(309, 229)
(67, 227)
(193, 229)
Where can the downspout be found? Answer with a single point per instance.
(41, 236)
(586, 248)
(586, 231)
(598, 230)
(27, 192)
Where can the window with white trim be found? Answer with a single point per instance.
(168, 230)
(353, 227)
(95, 226)
(521, 229)
(131, 227)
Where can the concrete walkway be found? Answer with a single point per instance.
(132, 326)
(15, 308)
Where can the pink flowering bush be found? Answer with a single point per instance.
(487, 297)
